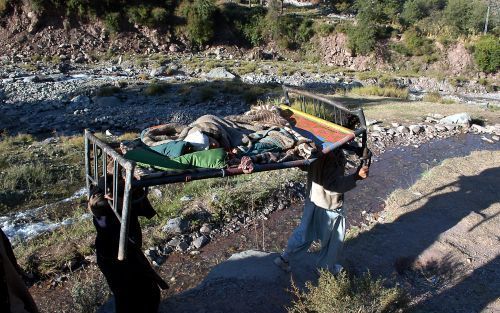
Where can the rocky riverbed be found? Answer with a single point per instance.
(121, 96)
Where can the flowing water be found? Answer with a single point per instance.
(401, 167)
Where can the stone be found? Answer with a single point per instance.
(176, 226)
(495, 137)
(487, 139)
(416, 129)
(205, 229)
(200, 242)
(430, 129)
(186, 198)
(158, 261)
(167, 249)
(403, 130)
(173, 48)
(159, 71)
(378, 128)
(220, 73)
(173, 242)
(479, 129)
(182, 246)
(460, 118)
(440, 128)
(395, 125)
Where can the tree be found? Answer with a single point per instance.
(487, 54)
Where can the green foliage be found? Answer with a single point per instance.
(147, 15)
(323, 29)
(414, 44)
(362, 38)
(465, 16)
(107, 91)
(200, 21)
(28, 167)
(112, 21)
(292, 31)
(3, 6)
(254, 31)
(415, 10)
(343, 294)
(90, 292)
(37, 5)
(155, 89)
(487, 53)
(247, 23)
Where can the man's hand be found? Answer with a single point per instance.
(363, 172)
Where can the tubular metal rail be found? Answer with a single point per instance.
(100, 155)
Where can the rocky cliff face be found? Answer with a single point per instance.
(28, 35)
(333, 51)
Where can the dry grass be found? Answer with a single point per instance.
(436, 98)
(390, 92)
(343, 294)
(393, 111)
(89, 291)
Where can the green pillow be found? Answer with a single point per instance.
(213, 158)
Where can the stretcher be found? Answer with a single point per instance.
(328, 123)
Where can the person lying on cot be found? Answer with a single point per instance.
(323, 217)
(132, 281)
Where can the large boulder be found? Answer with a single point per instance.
(460, 118)
(220, 73)
(176, 226)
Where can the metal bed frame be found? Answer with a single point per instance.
(98, 153)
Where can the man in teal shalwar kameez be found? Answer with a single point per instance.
(323, 217)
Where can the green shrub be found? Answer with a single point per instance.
(25, 177)
(206, 93)
(112, 21)
(107, 91)
(362, 38)
(416, 10)
(38, 6)
(465, 16)
(247, 23)
(155, 89)
(200, 21)
(254, 31)
(3, 6)
(487, 54)
(90, 292)
(147, 15)
(433, 96)
(343, 294)
(436, 97)
(324, 29)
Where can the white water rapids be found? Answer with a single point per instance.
(26, 225)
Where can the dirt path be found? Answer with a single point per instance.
(440, 241)
(441, 237)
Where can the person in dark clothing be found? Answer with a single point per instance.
(14, 295)
(135, 285)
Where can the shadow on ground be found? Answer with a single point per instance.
(247, 282)
(250, 282)
(443, 228)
